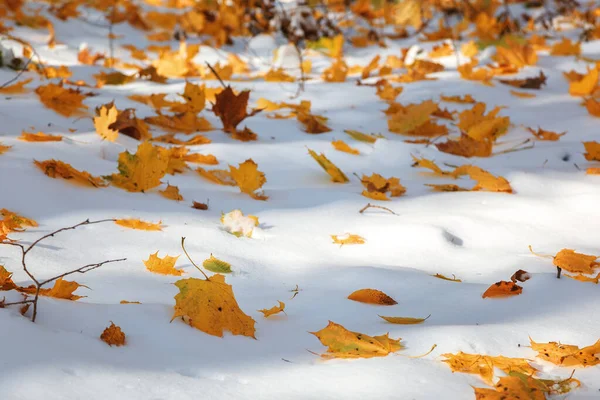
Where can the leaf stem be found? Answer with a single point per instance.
(190, 258)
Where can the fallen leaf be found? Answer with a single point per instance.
(593, 106)
(342, 343)
(446, 188)
(210, 306)
(411, 117)
(249, 179)
(56, 168)
(273, 310)
(542, 134)
(39, 137)
(363, 137)
(565, 48)
(484, 179)
(163, 266)
(376, 187)
(453, 279)
(404, 320)
(231, 108)
(592, 151)
(61, 290)
(571, 261)
(503, 289)
(135, 223)
(128, 124)
(213, 264)
(466, 99)
(171, 192)
(334, 172)
(185, 122)
(171, 139)
(143, 170)
(66, 102)
(314, 124)
(218, 176)
(4, 148)
(522, 95)
(199, 206)
(340, 145)
(586, 86)
(567, 355)
(512, 387)
(6, 282)
(347, 239)
(483, 365)
(236, 223)
(113, 335)
(466, 146)
(129, 302)
(372, 296)
(583, 278)
(106, 115)
(16, 88)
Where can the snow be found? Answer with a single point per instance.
(479, 237)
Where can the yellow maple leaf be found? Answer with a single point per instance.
(273, 310)
(479, 126)
(105, 116)
(218, 176)
(592, 151)
(61, 290)
(342, 343)
(171, 192)
(249, 179)
(210, 306)
(484, 179)
(347, 238)
(39, 137)
(56, 168)
(337, 72)
(313, 123)
(334, 172)
(586, 85)
(565, 48)
(143, 170)
(186, 122)
(411, 117)
(376, 187)
(164, 266)
(66, 102)
(136, 223)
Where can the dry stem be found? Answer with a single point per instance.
(369, 205)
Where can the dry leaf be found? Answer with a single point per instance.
(483, 365)
(347, 238)
(592, 151)
(542, 134)
(199, 206)
(239, 225)
(61, 290)
(106, 115)
(164, 266)
(171, 192)
(342, 343)
(372, 296)
(231, 108)
(249, 179)
(66, 102)
(56, 168)
(411, 117)
(210, 306)
(466, 146)
(218, 176)
(143, 170)
(466, 99)
(363, 137)
(6, 282)
(404, 320)
(340, 145)
(128, 124)
(586, 85)
(376, 187)
(503, 289)
(334, 172)
(453, 279)
(565, 48)
(273, 310)
(16, 88)
(113, 335)
(39, 137)
(135, 223)
(571, 261)
(567, 355)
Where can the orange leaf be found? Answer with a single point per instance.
(503, 289)
(273, 310)
(340, 145)
(567, 355)
(113, 335)
(39, 137)
(56, 168)
(66, 102)
(586, 85)
(249, 179)
(171, 192)
(542, 134)
(136, 223)
(16, 88)
(164, 266)
(347, 239)
(372, 296)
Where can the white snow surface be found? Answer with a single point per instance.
(479, 237)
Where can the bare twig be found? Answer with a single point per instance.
(369, 205)
(216, 74)
(38, 283)
(190, 258)
(111, 41)
(301, 61)
(5, 84)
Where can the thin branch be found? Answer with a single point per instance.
(216, 74)
(190, 258)
(3, 304)
(82, 270)
(369, 205)
(21, 71)
(301, 61)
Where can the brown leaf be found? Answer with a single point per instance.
(231, 108)
(372, 296)
(113, 335)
